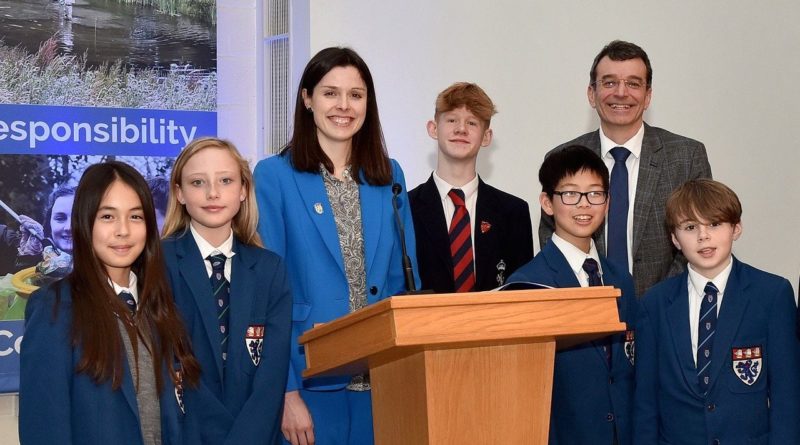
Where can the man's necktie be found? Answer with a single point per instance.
(705, 333)
(221, 290)
(461, 244)
(617, 238)
(592, 269)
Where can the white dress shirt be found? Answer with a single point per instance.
(575, 257)
(697, 284)
(131, 288)
(206, 249)
(470, 190)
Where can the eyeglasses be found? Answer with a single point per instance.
(610, 84)
(571, 198)
(692, 227)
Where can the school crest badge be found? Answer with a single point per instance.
(630, 345)
(179, 391)
(747, 363)
(254, 341)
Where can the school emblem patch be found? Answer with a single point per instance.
(179, 390)
(630, 345)
(747, 363)
(254, 340)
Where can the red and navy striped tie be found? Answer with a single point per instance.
(461, 244)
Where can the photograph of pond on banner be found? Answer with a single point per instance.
(81, 82)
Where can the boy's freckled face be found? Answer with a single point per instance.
(707, 246)
(460, 134)
(576, 223)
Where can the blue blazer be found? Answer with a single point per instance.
(58, 405)
(589, 399)
(296, 221)
(244, 404)
(757, 310)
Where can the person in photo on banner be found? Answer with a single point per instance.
(57, 220)
(717, 357)
(646, 164)
(499, 236)
(326, 207)
(592, 382)
(232, 293)
(105, 358)
(34, 242)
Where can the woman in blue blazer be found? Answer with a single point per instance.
(244, 358)
(97, 368)
(326, 206)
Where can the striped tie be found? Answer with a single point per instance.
(705, 333)
(222, 293)
(461, 244)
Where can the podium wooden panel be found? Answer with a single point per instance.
(471, 368)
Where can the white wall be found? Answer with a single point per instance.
(239, 67)
(725, 73)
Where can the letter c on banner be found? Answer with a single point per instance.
(17, 342)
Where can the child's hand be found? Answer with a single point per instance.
(297, 426)
(31, 236)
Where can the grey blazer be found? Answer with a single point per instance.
(667, 161)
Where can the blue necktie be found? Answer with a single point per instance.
(705, 334)
(222, 292)
(593, 271)
(127, 298)
(617, 239)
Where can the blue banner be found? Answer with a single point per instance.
(47, 129)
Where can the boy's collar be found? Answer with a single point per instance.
(575, 256)
(699, 282)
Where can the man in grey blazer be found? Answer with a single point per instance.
(656, 162)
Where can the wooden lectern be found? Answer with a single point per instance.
(471, 368)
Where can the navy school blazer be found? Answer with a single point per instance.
(244, 403)
(760, 408)
(58, 405)
(296, 221)
(590, 400)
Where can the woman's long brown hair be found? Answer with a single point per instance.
(369, 156)
(96, 308)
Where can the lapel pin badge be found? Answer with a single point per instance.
(501, 271)
(318, 208)
(485, 226)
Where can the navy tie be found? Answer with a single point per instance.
(221, 290)
(461, 244)
(593, 271)
(127, 298)
(705, 334)
(617, 239)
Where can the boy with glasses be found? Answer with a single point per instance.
(592, 382)
(717, 358)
